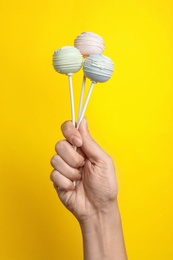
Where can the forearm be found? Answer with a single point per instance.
(103, 236)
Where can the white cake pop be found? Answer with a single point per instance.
(68, 60)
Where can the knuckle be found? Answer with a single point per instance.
(60, 145)
(66, 128)
(54, 160)
(52, 176)
(64, 125)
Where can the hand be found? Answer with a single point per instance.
(93, 199)
(90, 167)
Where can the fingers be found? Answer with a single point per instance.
(60, 181)
(68, 161)
(66, 164)
(71, 133)
(69, 154)
(62, 167)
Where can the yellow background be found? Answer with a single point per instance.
(131, 116)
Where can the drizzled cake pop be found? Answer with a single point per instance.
(97, 68)
(68, 60)
(89, 43)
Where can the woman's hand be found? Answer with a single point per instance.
(84, 177)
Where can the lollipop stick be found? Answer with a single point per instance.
(71, 97)
(86, 103)
(72, 106)
(81, 96)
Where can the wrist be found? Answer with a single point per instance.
(102, 216)
(102, 235)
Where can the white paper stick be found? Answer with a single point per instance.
(86, 103)
(72, 106)
(81, 96)
(71, 98)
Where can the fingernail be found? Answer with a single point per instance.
(76, 141)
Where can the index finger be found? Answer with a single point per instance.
(71, 133)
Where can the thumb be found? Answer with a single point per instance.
(91, 149)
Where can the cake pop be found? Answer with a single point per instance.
(98, 68)
(68, 60)
(89, 43)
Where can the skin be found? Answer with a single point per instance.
(84, 178)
